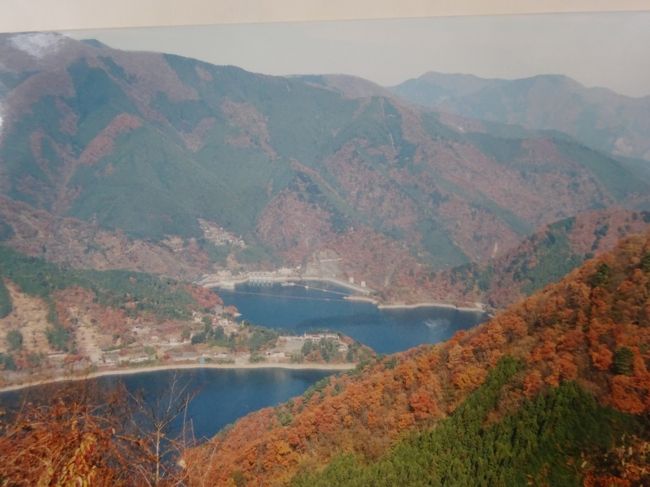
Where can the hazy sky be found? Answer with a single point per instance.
(610, 50)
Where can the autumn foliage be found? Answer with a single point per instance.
(593, 328)
(86, 436)
(540, 259)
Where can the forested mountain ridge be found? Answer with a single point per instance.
(86, 245)
(574, 355)
(157, 149)
(543, 258)
(597, 117)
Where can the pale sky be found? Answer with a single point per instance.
(610, 50)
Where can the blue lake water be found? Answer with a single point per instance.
(297, 309)
(223, 396)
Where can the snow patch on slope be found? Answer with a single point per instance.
(38, 44)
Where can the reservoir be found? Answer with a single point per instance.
(319, 306)
(223, 396)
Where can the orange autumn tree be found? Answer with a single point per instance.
(85, 437)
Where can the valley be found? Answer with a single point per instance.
(213, 276)
(285, 172)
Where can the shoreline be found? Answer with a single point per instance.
(361, 299)
(363, 295)
(432, 304)
(428, 304)
(160, 368)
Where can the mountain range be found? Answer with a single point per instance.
(530, 196)
(147, 151)
(597, 117)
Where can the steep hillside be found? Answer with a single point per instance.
(53, 316)
(81, 244)
(165, 148)
(548, 391)
(597, 117)
(543, 258)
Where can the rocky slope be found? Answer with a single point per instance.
(598, 117)
(584, 337)
(146, 151)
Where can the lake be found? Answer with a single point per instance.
(223, 396)
(299, 309)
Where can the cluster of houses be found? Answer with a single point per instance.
(181, 351)
(220, 236)
(150, 348)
